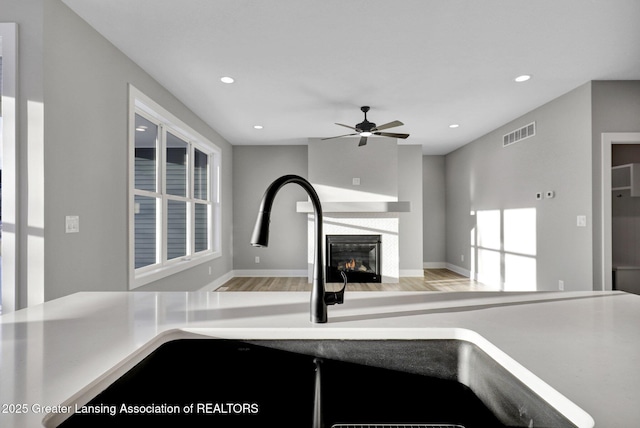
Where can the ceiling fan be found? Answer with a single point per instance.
(366, 129)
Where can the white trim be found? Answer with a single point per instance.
(252, 273)
(171, 268)
(608, 139)
(459, 270)
(268, 272)
(217, 283)
(158, 112)
(10, 283)
(141, 104)
(281, 273)
(434, 265)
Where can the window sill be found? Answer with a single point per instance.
(148, 276)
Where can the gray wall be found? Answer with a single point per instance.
(616, 108)
(85, 161)
(410, 225)
(434, 211)
(485, 176)
(334, 163)
(254, 168)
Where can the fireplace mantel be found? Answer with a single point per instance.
(357, 207)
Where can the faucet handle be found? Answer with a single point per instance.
(336, 297)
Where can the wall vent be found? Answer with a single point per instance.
(519, 134)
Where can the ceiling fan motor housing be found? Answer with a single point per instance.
(365, 126)
(366, 129)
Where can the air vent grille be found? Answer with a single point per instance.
(519, 134)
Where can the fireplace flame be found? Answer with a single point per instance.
(350, 264)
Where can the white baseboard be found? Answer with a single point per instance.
(268, 272)
(458, 269)
(218, 282)
(434, 265)
(303, 273)
(239, 273)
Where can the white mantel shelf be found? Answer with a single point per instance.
(357, 207)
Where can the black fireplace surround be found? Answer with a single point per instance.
(356, 255)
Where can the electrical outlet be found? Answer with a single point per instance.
(355, 181)
(539, 196)
(561, 285)
(257, 259)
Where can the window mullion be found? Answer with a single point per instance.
(214, 199)
(162, 180)
(190, 196)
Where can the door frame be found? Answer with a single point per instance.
(608, 140)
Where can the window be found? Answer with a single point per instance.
(175, 206)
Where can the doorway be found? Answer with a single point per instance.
(609, 139)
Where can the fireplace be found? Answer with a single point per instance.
(356, 255)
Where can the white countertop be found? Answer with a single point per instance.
(586, 345)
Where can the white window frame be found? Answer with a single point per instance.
(140, 104)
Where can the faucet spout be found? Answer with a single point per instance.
(260, 238)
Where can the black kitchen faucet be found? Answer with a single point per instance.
(320, 298)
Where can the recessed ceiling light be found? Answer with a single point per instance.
(227, 79)
(257, 127)
(454, 125)
(522, 78)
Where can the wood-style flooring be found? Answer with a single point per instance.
(433, 280)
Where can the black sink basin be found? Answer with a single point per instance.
(260, 383)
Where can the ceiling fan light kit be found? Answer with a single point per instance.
(366, 129)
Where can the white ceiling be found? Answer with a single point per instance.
(301, 65)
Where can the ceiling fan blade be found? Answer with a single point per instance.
(363, 141)
(388, 125)
(391, 134)
(347, 126)
(339, 136)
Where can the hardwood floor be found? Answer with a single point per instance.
(433, 280)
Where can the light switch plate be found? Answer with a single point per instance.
(581, 221)
(72, 224)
